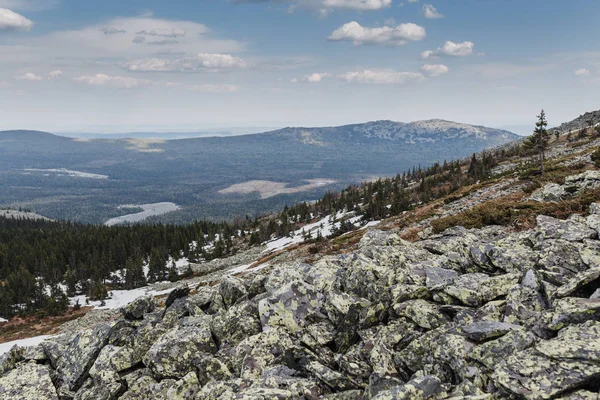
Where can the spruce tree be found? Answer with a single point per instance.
(539, 140)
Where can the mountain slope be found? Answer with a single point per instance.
(197, 173)
(489, 289)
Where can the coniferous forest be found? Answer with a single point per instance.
(42, 262)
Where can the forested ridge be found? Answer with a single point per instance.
(43, 262)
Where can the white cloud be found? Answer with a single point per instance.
(200, 62)
(123, 82)
(429, 54)
(381, 77)
(450, 49)
(431, 12)
(215, 88)
(90, 44)
(316, 77)
(323, 7)
(583, 72)
(434, 69)
(354, 32)
(29, 76)
(359, 5)
(458, 49)
(11, 21)
(55, 74)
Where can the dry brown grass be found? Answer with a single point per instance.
(520, 215)
(21, 328)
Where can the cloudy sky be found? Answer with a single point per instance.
(117, 66)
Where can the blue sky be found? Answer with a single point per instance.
(115, 66)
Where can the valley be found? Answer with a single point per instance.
(218, 178)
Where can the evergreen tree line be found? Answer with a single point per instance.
(43, 262)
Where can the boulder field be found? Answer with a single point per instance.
(467, 314)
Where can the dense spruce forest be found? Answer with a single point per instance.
(43, 262)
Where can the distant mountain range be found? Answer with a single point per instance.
(219, 177)
(220, 132)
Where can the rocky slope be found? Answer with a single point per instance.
(589, 118)
(478, 314)
(481, 313)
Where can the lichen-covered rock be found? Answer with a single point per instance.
(173, 355)
(184, 389)
(293, 306)
(238, 322)
(586, 180)
(9, 360)
(534, 376)
(422, 313)
(403, 292)
(438, 278)
(211, 368)
(334, 379)
(573, 310)
(137, 308)
(285, 274)
(580, 281)
(231, 290)
(28, 381)
(573, 229)
(199, 302)
(105, 381)
(79, 355)
(485, 330)
(577, 342)
(421, 387)
(551, 192)
(177, 293)
(265, 349)
(493, 352)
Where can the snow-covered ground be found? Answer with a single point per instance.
(68, 172)
(5, 347)
(325, 227)
(119, 298)
(246, 268)
(149, 211)
(269, 188)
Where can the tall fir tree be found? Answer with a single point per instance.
(539, 140)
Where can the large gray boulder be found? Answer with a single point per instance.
(28, 381)
(79, 355)
(292, 306)
(174, 354)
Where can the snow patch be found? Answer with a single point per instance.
(149, 211)
(5, 347)
(68, 172)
